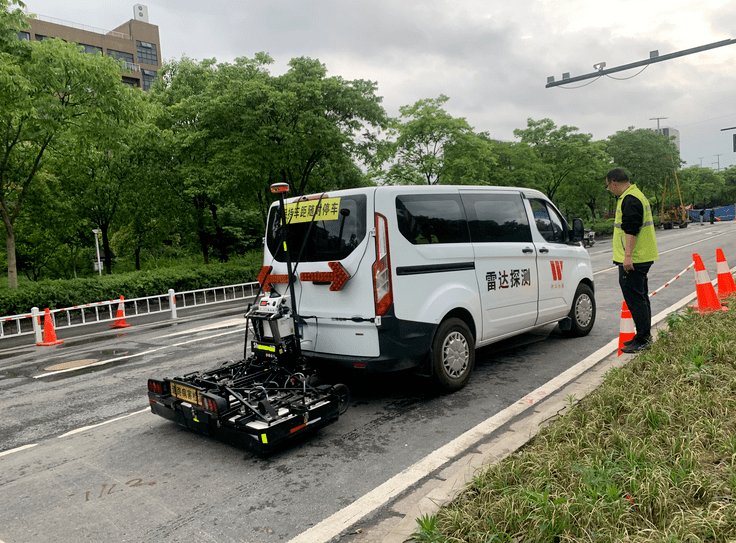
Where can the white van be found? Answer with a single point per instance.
(394, 277)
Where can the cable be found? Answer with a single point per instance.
(597, 78)
(580, 86)
(625, 78)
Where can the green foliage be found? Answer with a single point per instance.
(647, 456)
(427, 530)
(433, 147)
(697, 185)
(600, 227)
(564, 157)
(648, 157)
(234, 129)
(55, 294)
(48, 92)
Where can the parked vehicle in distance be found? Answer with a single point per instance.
(393, 277)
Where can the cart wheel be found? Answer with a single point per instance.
(343, 397)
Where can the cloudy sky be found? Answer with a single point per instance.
(492, 58)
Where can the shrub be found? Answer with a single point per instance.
(59, 293)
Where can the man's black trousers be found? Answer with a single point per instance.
(635, 288)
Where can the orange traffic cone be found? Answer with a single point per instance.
(726, 286)
(49, 335)
(120, 316)
(627, 330)
(707, 298)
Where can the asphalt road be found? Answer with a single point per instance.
(83, 459)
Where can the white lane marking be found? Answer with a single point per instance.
(103, 362)
(24, 447)
(85, 428)
(665, 252)
(342, 520)
(224, 324)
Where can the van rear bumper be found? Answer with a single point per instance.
(402, 345)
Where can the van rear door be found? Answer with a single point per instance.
(334, 320)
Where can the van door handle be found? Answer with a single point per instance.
(527, 250)
(544, 250)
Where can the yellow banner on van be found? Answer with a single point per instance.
(327, 209)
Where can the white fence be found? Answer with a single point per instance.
(97, 312)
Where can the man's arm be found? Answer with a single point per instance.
(632, 217)
(628, 251)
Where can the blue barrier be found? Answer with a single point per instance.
(723, 213)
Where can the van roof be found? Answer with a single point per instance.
(404, 189)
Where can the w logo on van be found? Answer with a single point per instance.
(556, 269)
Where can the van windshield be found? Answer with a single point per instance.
(326, 229)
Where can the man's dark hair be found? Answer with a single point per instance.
(617, 175)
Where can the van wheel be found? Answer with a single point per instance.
(582, 313)
(452, 354)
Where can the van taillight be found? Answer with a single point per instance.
(382, 289)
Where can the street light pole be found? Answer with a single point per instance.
(657, 119)
(95, 231)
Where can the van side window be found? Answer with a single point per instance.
(497, 218)
(548, 222)
(431, 218)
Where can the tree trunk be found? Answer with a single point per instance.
(12, 264)
(219, 235)
(106, 248)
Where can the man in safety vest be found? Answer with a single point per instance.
(634, 251)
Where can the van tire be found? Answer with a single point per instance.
(452, 354)
(582, 312)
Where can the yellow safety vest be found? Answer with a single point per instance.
(646, 242)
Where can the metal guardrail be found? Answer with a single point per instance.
(107, 311)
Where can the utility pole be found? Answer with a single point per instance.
(719, 162)
(701, 160)
(657, 119)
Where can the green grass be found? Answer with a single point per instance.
(649, 456)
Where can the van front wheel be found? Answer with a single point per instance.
(452, 354)
(582, 313)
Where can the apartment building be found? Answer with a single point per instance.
(136, 42)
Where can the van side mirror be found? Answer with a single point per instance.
(578, 230)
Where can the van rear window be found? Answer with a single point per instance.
(432, 218)
(337, 229)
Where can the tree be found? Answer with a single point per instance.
(564, 155)
(236, 129)
(699, 186)
(48, 89)
(729, 189)
(469, 160)
(302, 128)
(517, 165)
(646, 156)
(424, 134)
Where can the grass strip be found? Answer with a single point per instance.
(650, 455)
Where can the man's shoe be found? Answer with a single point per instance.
(635, 346)
(630, 341)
